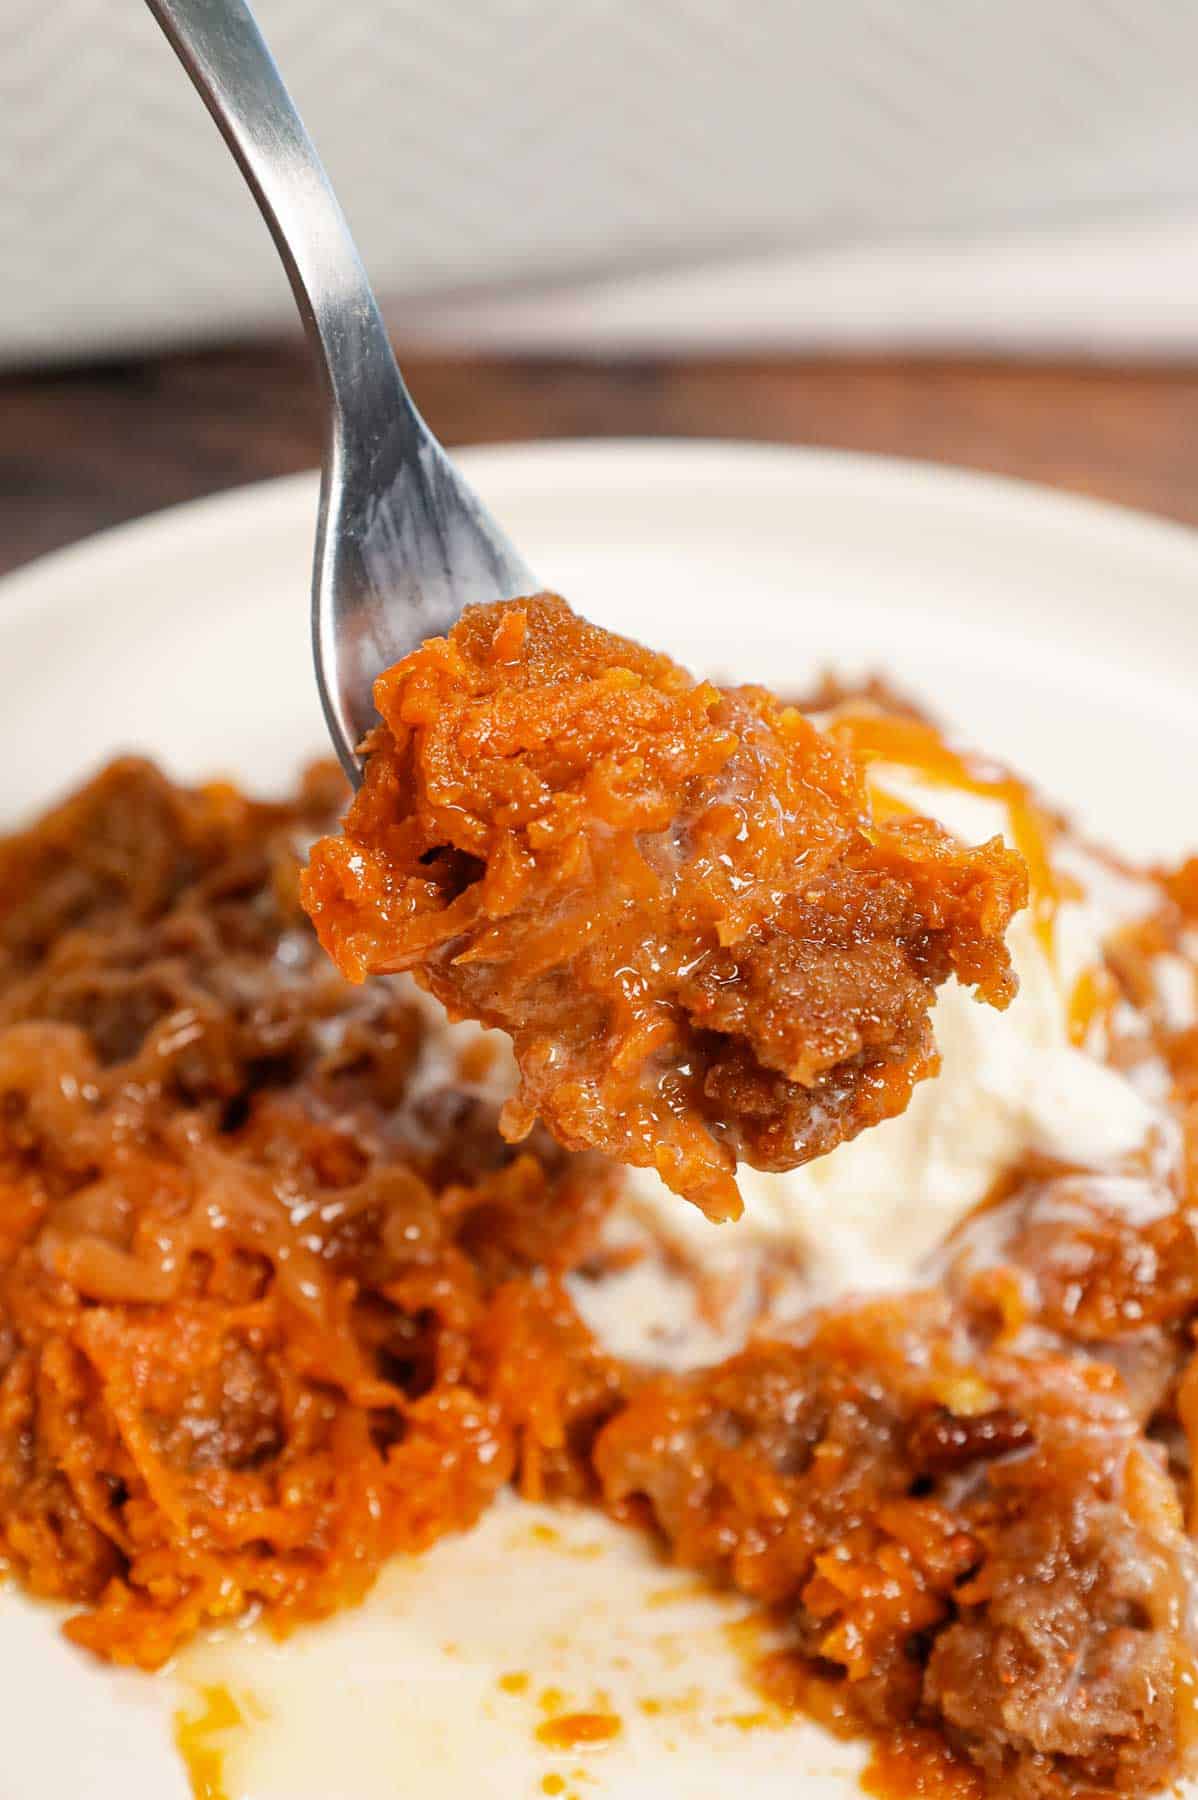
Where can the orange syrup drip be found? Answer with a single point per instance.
(569, 1730)
(911, 745)
(198, 1741)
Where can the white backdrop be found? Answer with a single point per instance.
(604, 173)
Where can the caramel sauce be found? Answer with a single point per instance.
(1094, 994)
(908, 1763)
(915, 1764)
(683, 1705)
(570, 1730)
(911, 744)
(789, 1685)
(198, 1741)
(677, 1594)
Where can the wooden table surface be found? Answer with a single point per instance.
(84, 449)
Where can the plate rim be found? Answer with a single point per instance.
(68, 578)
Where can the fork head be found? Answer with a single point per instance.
(403, 544)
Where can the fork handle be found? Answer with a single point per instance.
(220, 46)
(402, 542)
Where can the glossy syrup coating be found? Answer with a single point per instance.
(277, 1301)
(263, 1254)
(671, 895)
(974, 1544)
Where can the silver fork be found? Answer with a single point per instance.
(402, 542)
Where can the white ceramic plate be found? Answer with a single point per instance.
(1060, 634)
